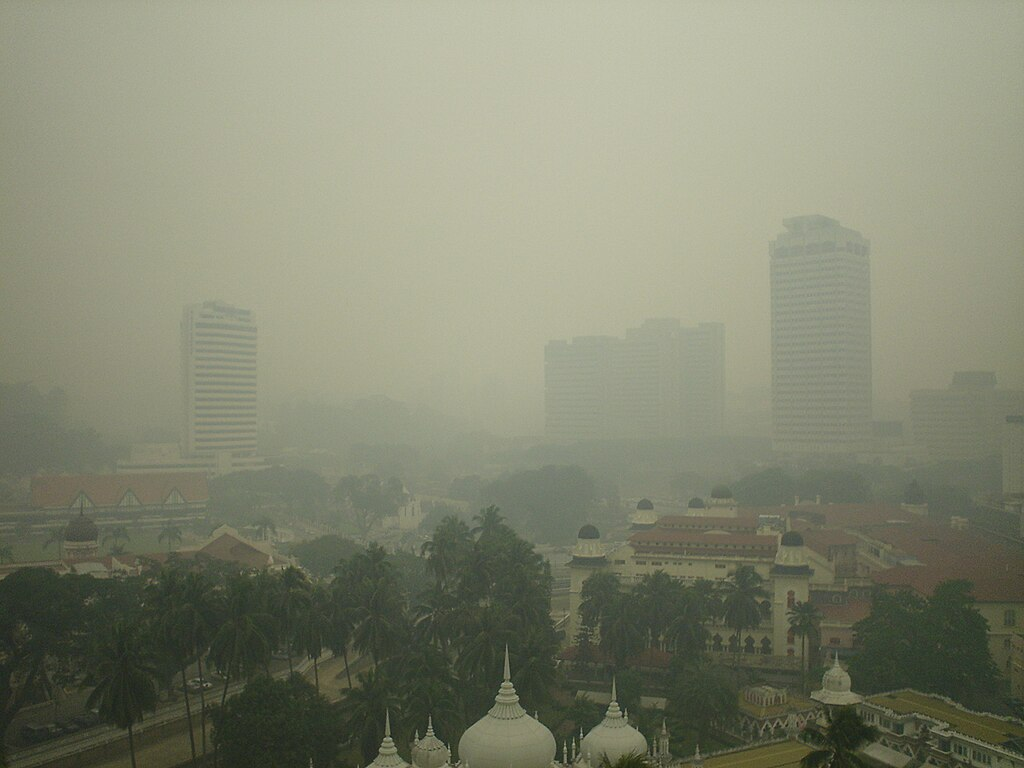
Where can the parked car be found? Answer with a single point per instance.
(68, 725)
(197, 684)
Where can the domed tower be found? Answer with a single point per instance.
(387, 756)
(430, 751)
(81, 537)
(644, 518)
(588, 557)
(613, 737)
(507, 737)
(791, 579)
(836, 687)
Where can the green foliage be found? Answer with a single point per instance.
(936, 645)
(369, 498)
(767, 488)
(704, 696)
(319, 556)
(844, 734)
(834, 486)
(547, 504)
(276, 723)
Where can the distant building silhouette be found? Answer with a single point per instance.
(965, 421)
(821, 338)
(661, 380)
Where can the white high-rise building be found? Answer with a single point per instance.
(821, 338)
(218, 344)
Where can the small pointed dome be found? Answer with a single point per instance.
(430, 751)
(614, 737)
(836, 687)
(507, 737)
(645, 517)
(387, 756)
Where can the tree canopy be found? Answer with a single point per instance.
(547, 504)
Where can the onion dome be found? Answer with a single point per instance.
(836, 687)
(645, 516)
(696, 503)
(588, 549)
(791, 556)
(613, 737)
(81, 529)
(507, 737)
(387, 756)
(430, 751)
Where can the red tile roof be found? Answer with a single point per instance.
(994, 567)
(151, 489)
(687, 542)
(837, 515)
(745, 522)
(821, 539)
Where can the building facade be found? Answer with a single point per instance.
(821, 338)
(661, 380)
(965, 421)
(1013, 455)
(218, 344)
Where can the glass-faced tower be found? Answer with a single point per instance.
(821, 338)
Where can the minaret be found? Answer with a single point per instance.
(663, 743)
(387, 756)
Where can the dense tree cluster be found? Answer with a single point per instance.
(547, 504)
(936, 645)
(37, 435)
(772, 487)
(434, 641)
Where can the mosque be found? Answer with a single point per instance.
(508, 737)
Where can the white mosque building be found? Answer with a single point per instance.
(509, 737)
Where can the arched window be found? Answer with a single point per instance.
(790, 599)
(791, 637)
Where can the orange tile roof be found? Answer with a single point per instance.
(821, 539)
(151, 489)
(837, 515)
(745, 522)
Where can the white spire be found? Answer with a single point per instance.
(508, 673)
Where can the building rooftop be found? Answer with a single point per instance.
(61, 491)
(977, 725)
(786, 754)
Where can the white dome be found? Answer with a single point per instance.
(836, 687)
(507, 737)
(613, 737)
(430, 751)
(387, 756)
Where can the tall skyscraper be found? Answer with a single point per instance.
(821, 337)
(661, 380)
(218, 344)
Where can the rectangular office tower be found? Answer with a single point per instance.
(218, 344)
(821, 338)
(661, 381)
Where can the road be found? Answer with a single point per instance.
(161, 739)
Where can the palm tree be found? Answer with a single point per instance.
(844, 734)
(447, 549)
(489, 523)
(314, 627)
(125, 684)
(621, 633)
(804, 619)
(171, 534)
(342, 626)
(704, 695)
(657, 593)
(364, 709)
(599, 592)
(164, 599)
(686, 630)
(241, 645)
(197, 615)
(635, 760)
(741, 596)
(290, 600)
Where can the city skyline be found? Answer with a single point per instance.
(433, 220)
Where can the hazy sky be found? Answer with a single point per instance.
(415, 197)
